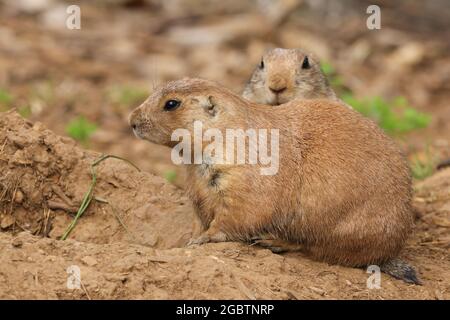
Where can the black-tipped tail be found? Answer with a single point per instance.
(399, 269)
(443, 164)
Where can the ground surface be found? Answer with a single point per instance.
(131, 241)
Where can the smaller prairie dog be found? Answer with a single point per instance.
(287, 74)
(342, 191)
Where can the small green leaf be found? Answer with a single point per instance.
(5, 97)
(81, 129)
(127, 95)
(327, 68)
(25, 111)
(170, 175)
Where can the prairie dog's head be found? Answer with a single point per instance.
(284, 75)
(177, 105)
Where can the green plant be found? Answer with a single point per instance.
(423, 165)
(81, 129)
(5, 99)
(127, 95)
(24, 111)
(395, 117)
(335, 80)
(88, 196)
(170, 175)
(421, 169)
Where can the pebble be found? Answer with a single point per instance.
(17, 243)
(18, 197)
(7, 221)
(90, 261)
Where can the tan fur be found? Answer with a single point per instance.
(283, 69)
(343, 188)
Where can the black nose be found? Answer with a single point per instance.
(134, 126)
(277, 90)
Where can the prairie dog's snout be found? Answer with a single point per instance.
(139, 123)
(277, 83)
(133, 121)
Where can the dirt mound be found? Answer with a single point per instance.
(130, 243)
(44, 178)
(213, 271)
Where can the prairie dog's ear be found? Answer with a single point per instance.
(305, 63)
(206, 103)
(261, 64)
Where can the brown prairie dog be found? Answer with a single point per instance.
(342, 190)
(287, 74)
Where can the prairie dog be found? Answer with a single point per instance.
(287, 74)
(342, 191)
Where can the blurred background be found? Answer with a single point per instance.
(83, 83)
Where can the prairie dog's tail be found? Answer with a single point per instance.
(401, 270)
(443, 164)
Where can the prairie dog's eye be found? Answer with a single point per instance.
(261, 65)
(306, 64)
(171, 105)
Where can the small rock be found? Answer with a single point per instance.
(38, 126)
(90, 261)
(317, 290)
(7, 221)
(438, 294)
(50, 259)
(17, 243)
(18, 196)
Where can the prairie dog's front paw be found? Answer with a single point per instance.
(209, 237)
(200, 240)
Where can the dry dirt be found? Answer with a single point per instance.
(44, 176)
(134, 245)
(131, 241)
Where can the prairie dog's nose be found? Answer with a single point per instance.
(277, 90)
(277, 84)
(132, 119)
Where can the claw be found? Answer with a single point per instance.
(271, 245)
(276, 245)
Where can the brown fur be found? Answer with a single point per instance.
(343, 189)
(283, 69)
(282, 77)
